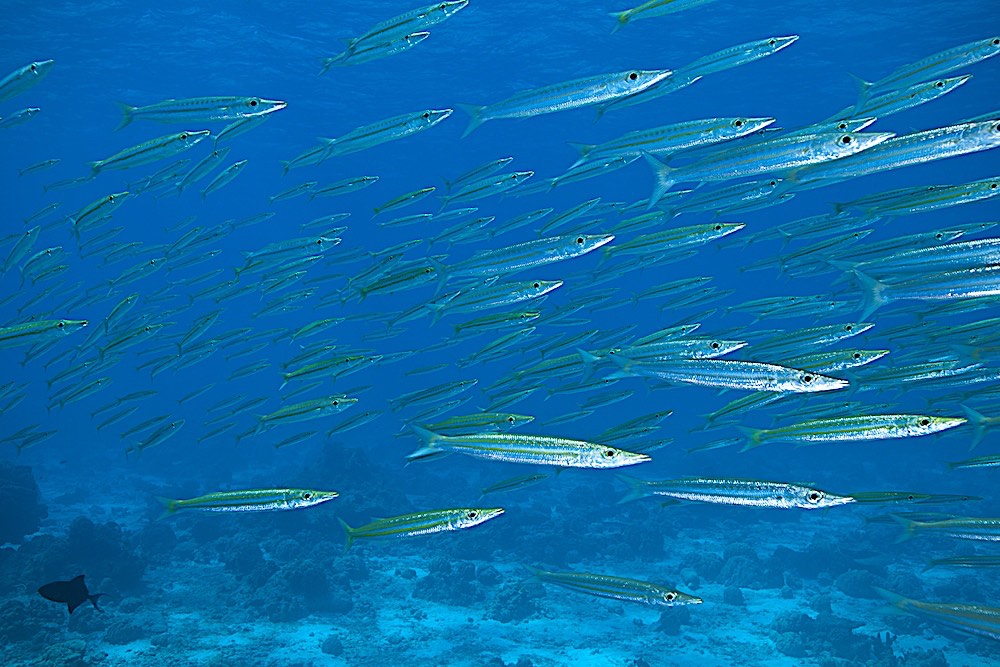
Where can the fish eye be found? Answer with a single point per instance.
(510, 420)
(846, 139)
(715, 346)
(579, 240)
(995, 42)
(670, 597)
(319, 241)
(909, 497)
(737, 123)
(925, 422)
(183, 136)
(842, 126)
(472, 514)
(442, 6)
(993, 186)
(718, 228)
(336, 403)
(771, 41)
(996, 127)
(307, 496)
(632, 76)
(609, 453)
(426, 115)
(111, 198)
(61, 324)
(34, 68)
(253, 103)
(813, 496)
(536, 285)
(857, 355)
(773, 183)
(807, 378)
(849, 327)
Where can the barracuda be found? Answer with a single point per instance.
(304, 411)
(200, 110)
(748, 492)
(784, 153)
(721, 60)
(562, 96)
(420, 523)
(150, 151)
(250, 500)
(38, 332)
(518, 448)
(731, 374)
(848, 429)
(406, 23)
(375, 50)
(903, 151)
(617, 588)
(931, 67)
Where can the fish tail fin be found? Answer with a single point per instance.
(95, 168)
(582, 149)
(476, 117)
(128, 114)
(442, 271)
(864, 88)
(978, 422)
(327, 62)
(754, 437)
(437, 311)
(895, 599)
(430, 440)
(169, 506)
(93, 600)
(285, 166)
(873, 296)
(622, 19)
(589, 361)
(909, 528)
(637, 488)
(663, 181)
(349, 533)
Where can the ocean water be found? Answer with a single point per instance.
(778, 586)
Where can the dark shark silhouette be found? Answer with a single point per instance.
(73, 592)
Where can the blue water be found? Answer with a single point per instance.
(783, 587)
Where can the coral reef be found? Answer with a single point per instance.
(515, 602)
(450, 582)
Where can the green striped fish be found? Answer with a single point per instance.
(973, 619)
(617, 588)
(420, 523)
(41, 331)
(865, 427)
(251, 500)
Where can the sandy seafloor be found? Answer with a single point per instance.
(190, 609)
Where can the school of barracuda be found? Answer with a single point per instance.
(74, 334)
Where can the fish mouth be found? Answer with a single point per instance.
(273, 105)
